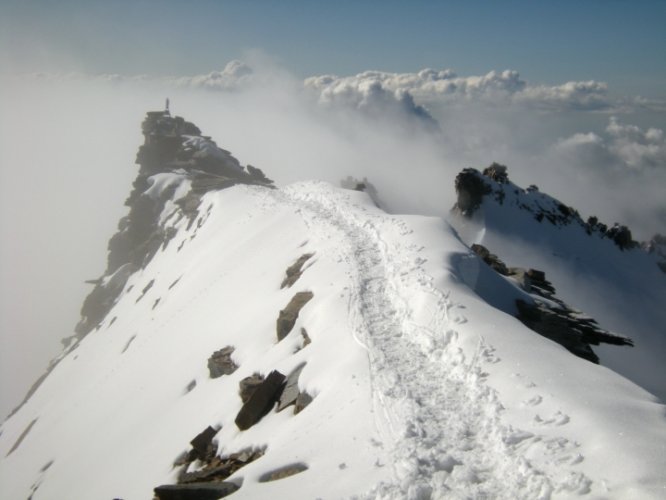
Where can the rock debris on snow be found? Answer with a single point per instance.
(220, 362)
(294, 271)
(288, 316)
(262, 400)
(551, 317)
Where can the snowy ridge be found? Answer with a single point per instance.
(600, 271)
(432, 403)
(421, 387)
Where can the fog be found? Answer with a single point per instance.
(68, 144)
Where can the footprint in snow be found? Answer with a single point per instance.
(572, 459)
(517, 437)
(533, 401)
(557, 419)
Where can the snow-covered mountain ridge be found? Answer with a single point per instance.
(596, 269)
(418, 385)
(474, 188)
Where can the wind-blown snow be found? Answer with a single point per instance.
(421, 389)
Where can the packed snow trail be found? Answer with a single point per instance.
(432, 407)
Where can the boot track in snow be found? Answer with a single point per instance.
(440, 421)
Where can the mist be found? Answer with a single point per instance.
(68, 144)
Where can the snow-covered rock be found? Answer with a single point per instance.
(595, 268)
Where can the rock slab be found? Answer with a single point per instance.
(195, 491)
(261, 402)
(290, 392)
(288, 316)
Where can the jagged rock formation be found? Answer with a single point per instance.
(172, 146)
(472, 187)
(549, 316)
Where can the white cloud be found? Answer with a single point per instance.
(496, 87)
(636, 148)
(412, 92)
(369, 95)
(622, 147)
(235, 75)
(588, 96)
(618, 174)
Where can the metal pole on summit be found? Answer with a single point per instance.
(166, 108)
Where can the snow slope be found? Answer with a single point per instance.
(421, 388)
(623, 289)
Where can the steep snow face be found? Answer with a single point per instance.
(621, 285)
(420, 388)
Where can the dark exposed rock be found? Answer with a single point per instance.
(262, 400)
(288, 316)
(195, 491)
(220, 363)
(491, 259)
(621, 235)
(294, 271)
(290, 392)
(248, 385)
(563, 326)
(145, 289)
(497, 172)
(210, 466)
(190, 386)
(283, 472)
(471, 188)
(202, 444)
(219, 468)
(184, 458)
(539, 284)
(551, 317)
(20, 439)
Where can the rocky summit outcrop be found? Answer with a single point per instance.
(174, 151)
(548, 315)
(474, 187)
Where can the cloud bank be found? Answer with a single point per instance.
(621, 148)
(498, 88)
(411, 92)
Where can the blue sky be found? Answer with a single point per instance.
(617, 41)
